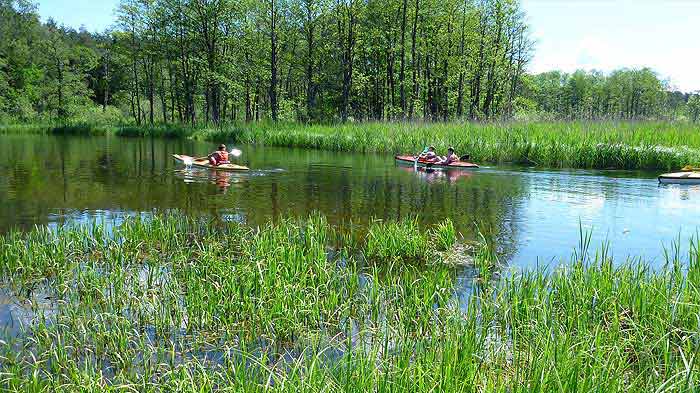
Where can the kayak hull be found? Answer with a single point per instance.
(410, 160)
(205, 164)
(680, 178)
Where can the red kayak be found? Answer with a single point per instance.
(411, 160)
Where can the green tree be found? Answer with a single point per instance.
(694, 107)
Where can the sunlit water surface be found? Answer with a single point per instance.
(535, 215)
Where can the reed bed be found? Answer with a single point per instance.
(601, 145)
(87, 129)
(187, 305)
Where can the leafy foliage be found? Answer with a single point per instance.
(203, 62)
(624, 94)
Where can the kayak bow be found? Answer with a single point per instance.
(680, 178)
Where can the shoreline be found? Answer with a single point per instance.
(572, 145)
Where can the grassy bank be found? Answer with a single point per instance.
(80, 129)
(172, 304)
(603, 145)
(571, 145)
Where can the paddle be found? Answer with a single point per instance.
(415, 164)
(234, 152)
(190, 160)
(417, 156)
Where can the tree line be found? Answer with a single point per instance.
(628, 94)
(212, 61)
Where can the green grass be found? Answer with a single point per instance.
(620, 145)
(188, 305)
(601, 145)
(403, 240)
(87, 129)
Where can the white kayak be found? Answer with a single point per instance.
(205, 164)
(680, 178)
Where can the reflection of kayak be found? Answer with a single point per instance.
(410, 160)
(429, 174)
(680, 178)
(205, 164)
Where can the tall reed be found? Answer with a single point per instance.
(602, 145)
(621, 145)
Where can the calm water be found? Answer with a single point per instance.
(535, 215)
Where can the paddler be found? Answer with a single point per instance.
(429, 155)
(449, 158)
(219, 157)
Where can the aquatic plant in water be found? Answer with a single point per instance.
(177, 304)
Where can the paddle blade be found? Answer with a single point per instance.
(236, 152)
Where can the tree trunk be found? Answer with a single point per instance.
(460, 83)
(491, 76)
(105, 96)
(273, 60)
(348, 62)
(310, 86)
(163, 98)
(414, 61)
(402, 70)
(476, 80)
(444, 100)
(173, 98)
(248, 111)
(137, 94)
(61, 106)
(148, 67)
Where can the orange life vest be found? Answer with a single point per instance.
(221, 157)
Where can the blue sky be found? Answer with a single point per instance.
(609, 34)
(570, 34)
(95, 15)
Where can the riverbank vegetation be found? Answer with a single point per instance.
(603, 145)
(388, 76)
(196, 62)
(600, 145)
(175, 304)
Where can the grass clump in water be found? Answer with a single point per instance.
(444, 235)
(405, 240)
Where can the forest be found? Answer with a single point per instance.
(312, 61)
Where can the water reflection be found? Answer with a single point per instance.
(222, 179)
(534, 216)
(435, 175)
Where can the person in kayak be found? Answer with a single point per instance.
(219, 157)
(429, 155)
(449, 158)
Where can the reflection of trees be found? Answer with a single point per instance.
(43, 175)
(49, 174)
(360, 188)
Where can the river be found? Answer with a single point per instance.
(535, 215)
